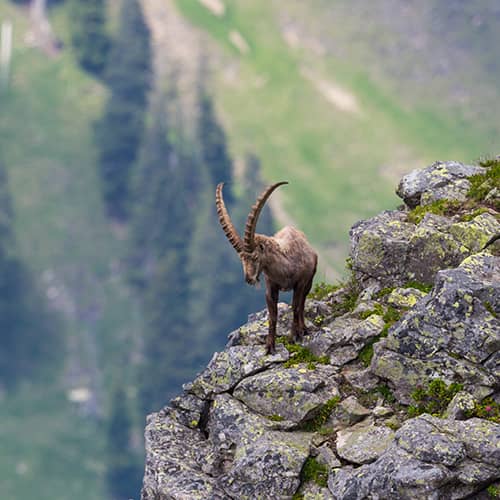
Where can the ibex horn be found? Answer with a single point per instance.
(253, 216)
(225, 221)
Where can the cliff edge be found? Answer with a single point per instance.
(395, 392)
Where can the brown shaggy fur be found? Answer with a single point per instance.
(286, 259)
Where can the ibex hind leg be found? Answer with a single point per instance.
(298, 304)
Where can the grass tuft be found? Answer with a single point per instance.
(433, 399)
(301, 354)
(317, 423)
(439, 207)
(314, 471)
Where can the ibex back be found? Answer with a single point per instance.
(286, 259)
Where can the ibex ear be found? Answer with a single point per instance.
(261, 246)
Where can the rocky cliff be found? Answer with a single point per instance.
(395, 392)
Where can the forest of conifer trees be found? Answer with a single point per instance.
(157, 177)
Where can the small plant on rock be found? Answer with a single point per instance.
(300, 354)
(423, 287)
(482, 184)
(439, 207)
(322, 290)
(488, 409)
(314, 471)
(493, 491)
(434, 399)
(317, 423)
(276, 418)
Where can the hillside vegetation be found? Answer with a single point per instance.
(330, 102)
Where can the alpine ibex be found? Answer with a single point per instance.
(287, 260)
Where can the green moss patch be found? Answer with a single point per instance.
(433, 399)
(377, 309)
(314, 471)
(493, 491)
(322, 290)
(423, 287)
(301, 354)
(439, 207)
(482, 184)
(317, 423)
(276, 418)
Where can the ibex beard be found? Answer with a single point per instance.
(287, 261)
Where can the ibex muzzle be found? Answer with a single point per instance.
(286, 259)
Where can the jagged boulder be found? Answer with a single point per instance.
(175, 457)
(364, 442)
(344, 337)
(430, 458)
(263, 463)
(391, 251)
(453, 333)
(292, 394)
(440, 181)
(229, 367)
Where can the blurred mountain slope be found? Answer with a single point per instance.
(331, 94)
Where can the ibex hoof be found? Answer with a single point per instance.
(270, 349)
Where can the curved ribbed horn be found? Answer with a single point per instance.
(253, 216)
(225, 221)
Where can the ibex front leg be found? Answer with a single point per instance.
(272, 295)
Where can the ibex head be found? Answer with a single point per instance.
(251, 247)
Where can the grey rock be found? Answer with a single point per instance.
(362, 443)
(326, 456)
(344, 337)
(174, 459)
(379, 248)
(230, 423)
(458, 407)
(425, 442)
(405, 297)
(441, 180)
(229, 367)
(480, 437)
(396, 475)
(312, 491)
(430, 458)
(382, 411)
(451, 333)
(267, 468)
(188, 409)
(471, 472)
(359, 378)
(287, 393)
(258, 461)
(348, 412)
(393, 251)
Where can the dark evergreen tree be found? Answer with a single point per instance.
(29, 334)
(119, 132)
(165, 200)
(88, 34)
(124, 471)
(212, 143)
